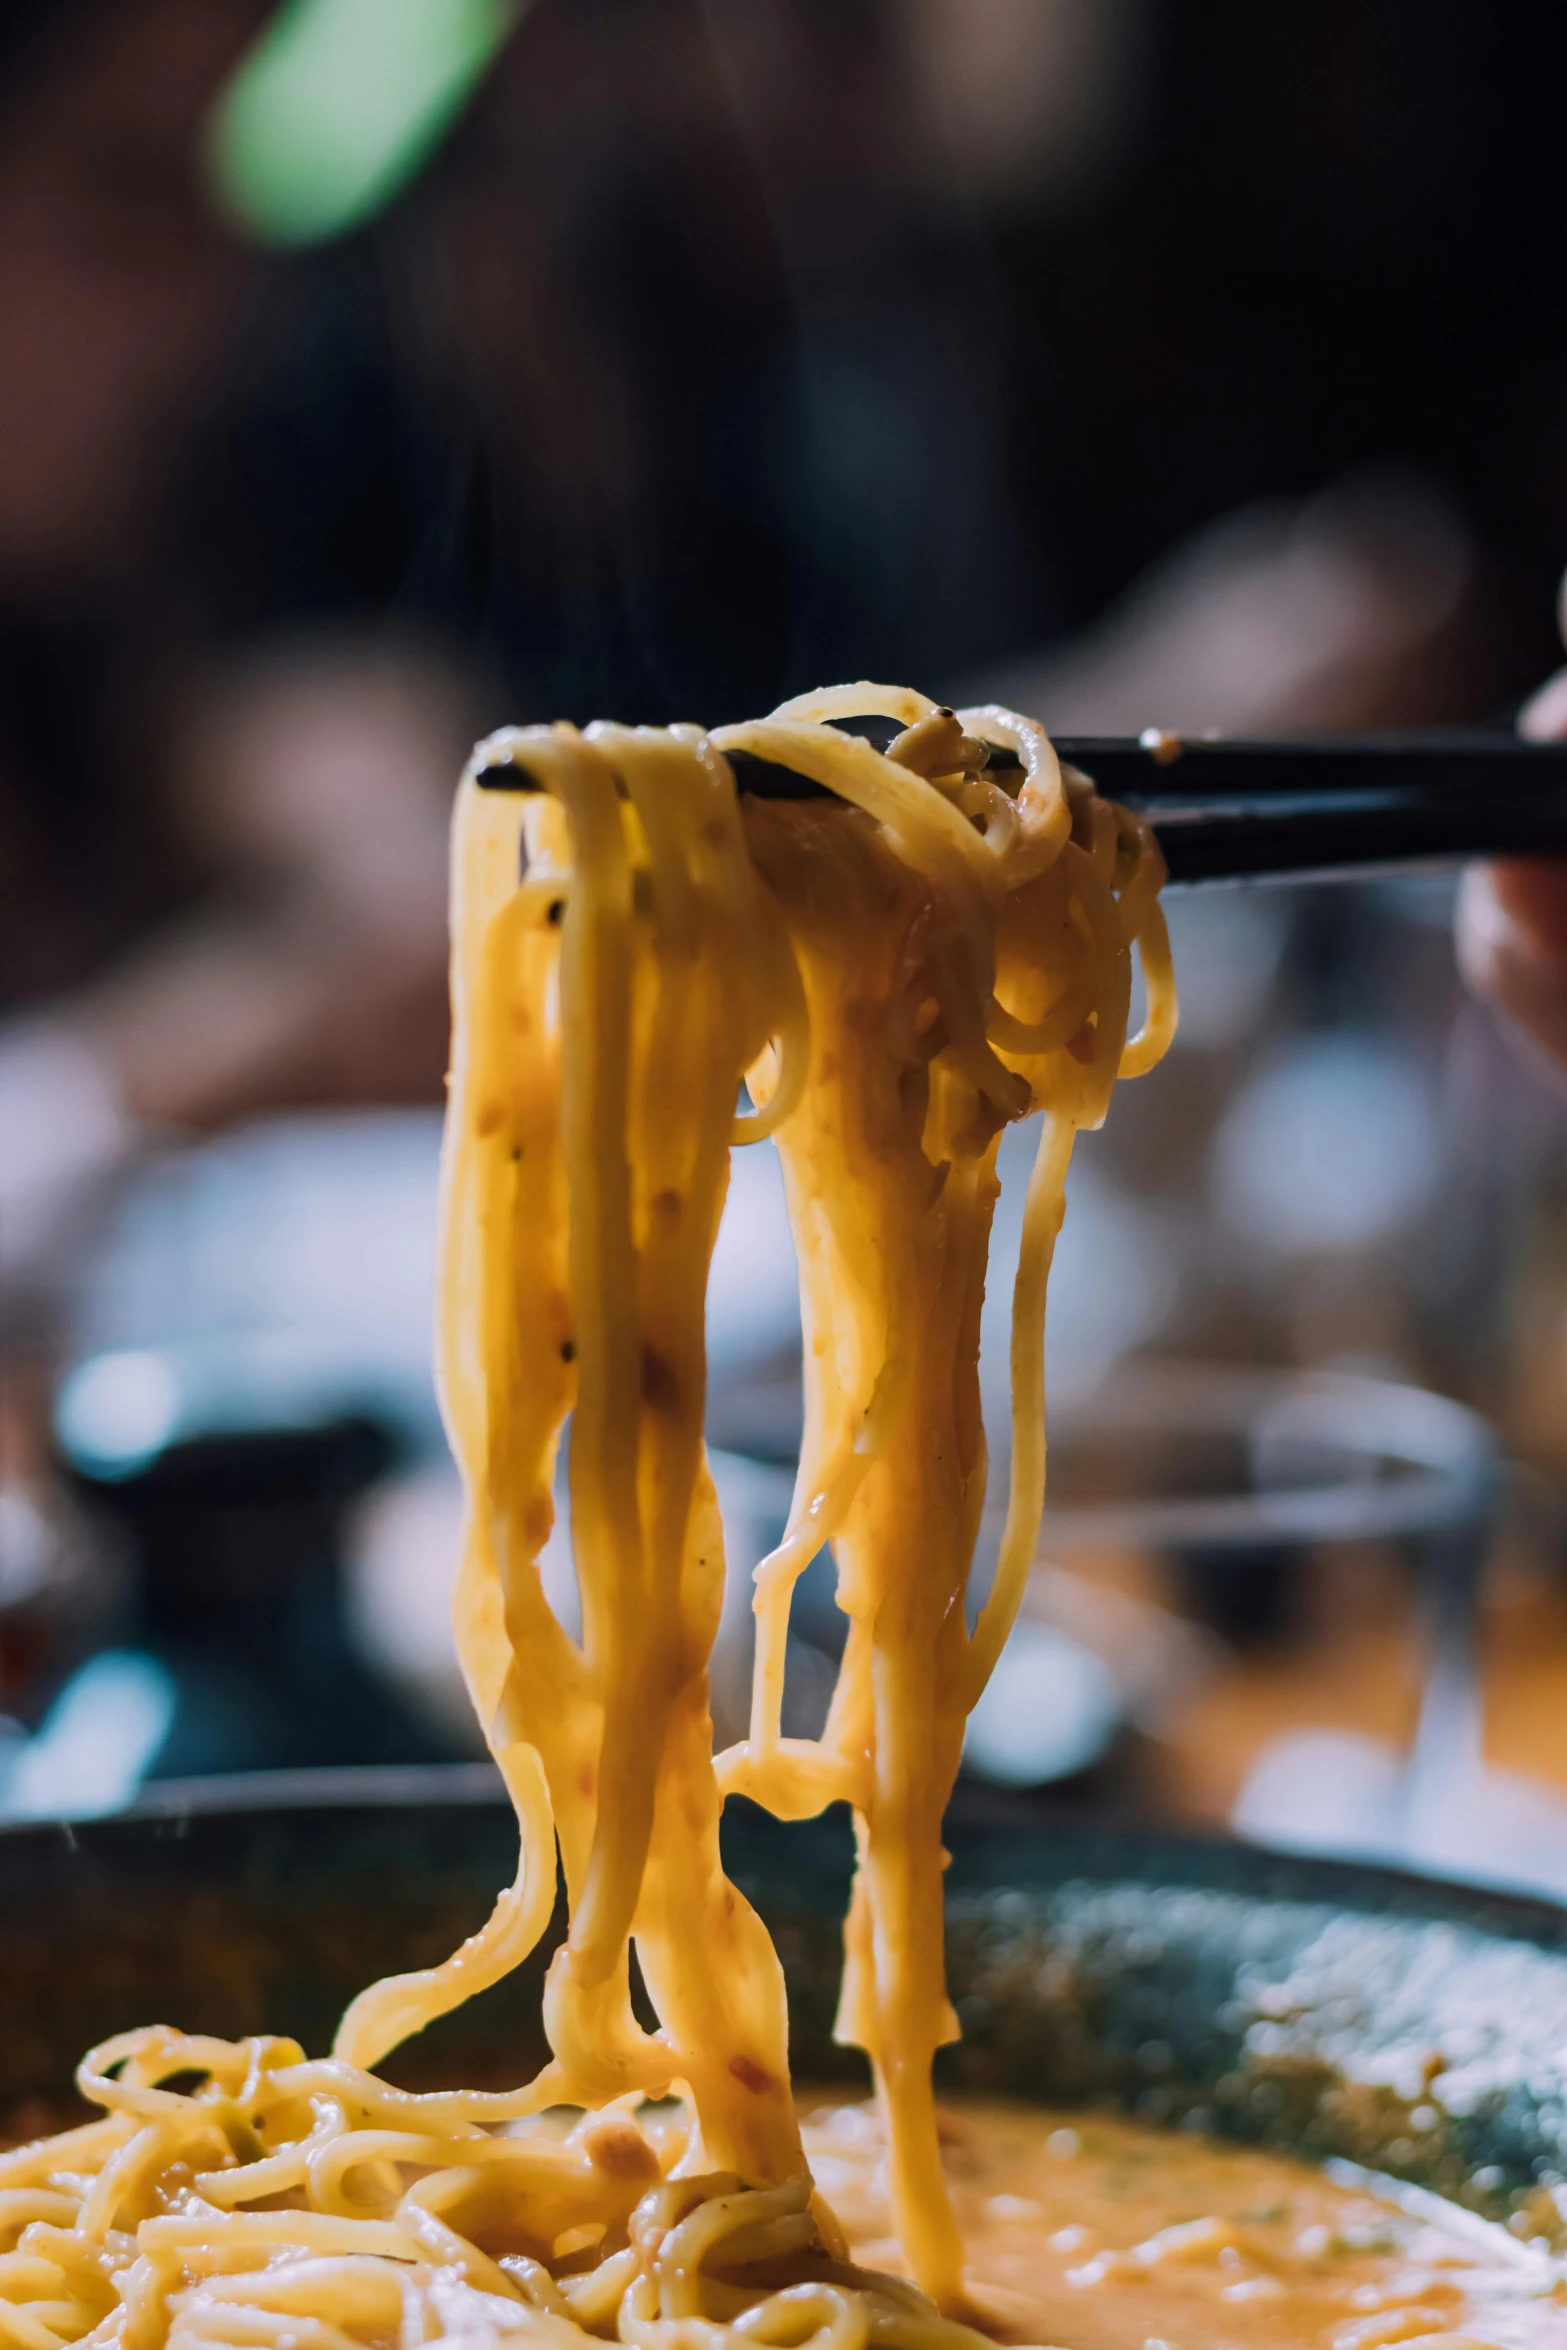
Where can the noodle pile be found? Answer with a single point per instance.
(897, 973)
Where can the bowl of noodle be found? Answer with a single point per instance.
(1402, 2038)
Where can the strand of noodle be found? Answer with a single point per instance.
(373, 2290)
(43, 2157)
(909, 708)
(539, 2287)
(28, 2276)
(196, 2321)
(709, 1966)
(904, 2330)
(775, 1577)
(596, 988)
(966, 1005)
(1095, 917)
(383, 2149)
(265, 2052)
(809, 1530)
(542, 898)
(861, 699)
(389, 2011)
(896, 2295)
(276, 2173)
(137, 2164)
(377, 2100)
(86, 2267)
(511, 1249)
(61, 2316)
(788, 1021)
(67, 2320)
(799, 1777)
(158, 2049)
(1141, 865)
(487, 836)
(242, 2325)
(557, 2188)
(443, 2245)
(840, 2324)
(900, 2014)
(145, 2291)
(591, 2300)
(923, 828)
(1092, 911)
(892, 1237)
(663, 2208)
(678, 799)
(25, 2330)
(824, 1497)
(1043, 1212)
(702, 2234)
(930, 835)
(791, 1053)
(20, 2205)
(460, 2312)
(227, 2063)
(302, 2231)
(1104, 833)
(755, 938)
(1152, 1040)
(796, 1778)
(1042, 804)
(767, 2243)
(988, 806)
(640, 2324)
(483, 874)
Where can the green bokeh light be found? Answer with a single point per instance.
(338, 104)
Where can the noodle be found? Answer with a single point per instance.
(897, 978)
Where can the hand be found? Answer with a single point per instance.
(1512, 916)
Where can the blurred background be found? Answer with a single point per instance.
(376, 371)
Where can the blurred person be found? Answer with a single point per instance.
(715, 297)
(684, 375)
(221, 880)
(678, 381)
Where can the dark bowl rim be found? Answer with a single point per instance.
(1118, 1845)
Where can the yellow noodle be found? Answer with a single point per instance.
(898, 971)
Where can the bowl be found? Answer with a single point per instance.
(1287, 2002)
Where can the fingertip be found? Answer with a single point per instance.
(1543, 717)
(1512, 945)
(1478, 926)
(1530, 894)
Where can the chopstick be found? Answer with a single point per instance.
(1232, 810)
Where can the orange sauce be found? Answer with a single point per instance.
(1102, 2234)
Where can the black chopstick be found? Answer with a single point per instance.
(1233, 810)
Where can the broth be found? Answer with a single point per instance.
(1104, 2234)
